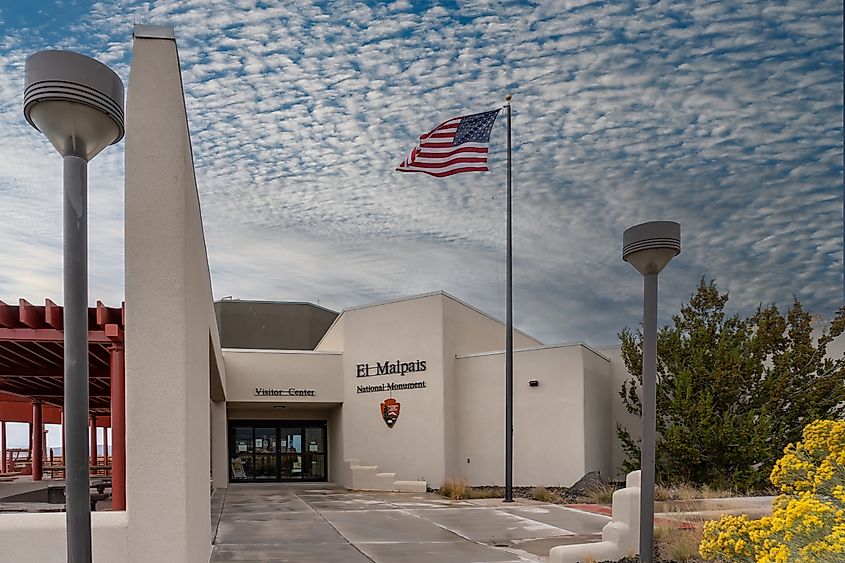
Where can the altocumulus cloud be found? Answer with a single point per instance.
(724, 116)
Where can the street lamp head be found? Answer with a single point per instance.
(75, 101)
(648, 247)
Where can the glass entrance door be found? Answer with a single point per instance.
(266, 464)
(291, 457)
(241, 459)
(314, 458)
(278, 451)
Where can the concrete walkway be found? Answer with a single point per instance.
(319, 522)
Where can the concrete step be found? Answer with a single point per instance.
(410, 486)
(369, 478)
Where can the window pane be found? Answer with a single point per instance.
(241, 464)
(315, 439)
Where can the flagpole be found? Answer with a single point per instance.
(509, 337)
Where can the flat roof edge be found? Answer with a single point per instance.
(433, 294)
(272, 351)
(153, 32)
(272, 302)
(392, 301)
(534, 349)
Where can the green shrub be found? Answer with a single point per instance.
(732, 391)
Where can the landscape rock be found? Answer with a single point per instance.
(587, 483)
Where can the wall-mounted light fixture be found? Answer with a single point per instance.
(533, 383)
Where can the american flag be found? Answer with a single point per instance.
(454, 146)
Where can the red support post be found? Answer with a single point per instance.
(93, 444)
(37, 439)
(3, 468)
(29, 445)
(106, 447)
(118, 426)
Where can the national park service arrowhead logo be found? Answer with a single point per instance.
(390, 411)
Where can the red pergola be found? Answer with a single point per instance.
(32, 378)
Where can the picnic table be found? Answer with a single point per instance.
(61, 468)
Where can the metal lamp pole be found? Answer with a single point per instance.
(649, 247)
(509, 334)
(77, 103)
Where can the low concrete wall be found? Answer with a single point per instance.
(619, 537)
(42, 537)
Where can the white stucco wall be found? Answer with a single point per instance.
(598, 413)
(548, 420)
(332, 341)
(467, 331)
(406, 330)
(219, 445)
(291, 412)
(618, 375)
(302, 370)
(337, 465)
(169, 320)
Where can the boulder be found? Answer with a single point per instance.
(590, 481)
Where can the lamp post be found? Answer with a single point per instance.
(77, 103)
(648, 247)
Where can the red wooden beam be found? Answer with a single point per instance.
(52, 350)
(8, 315)
(35, 354)
(47, 335)
(92, 394)
(104, 314)
(8, 398)
(30, 315)
(21, 411)
(54, 315)
(55, 372)
(114, 333)
(17, 355)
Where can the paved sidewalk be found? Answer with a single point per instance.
(317, 522)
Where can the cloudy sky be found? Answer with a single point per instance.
(723, 115)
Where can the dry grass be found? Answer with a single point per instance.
(455, 489)
(708, 492)
(601, 493)
(486, 492)
(687, 492)
(662, 493)
(679, 544)
(542, 494)
(458, 489)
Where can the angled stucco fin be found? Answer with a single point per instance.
(169, 347)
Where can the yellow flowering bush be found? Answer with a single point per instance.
(808, 519)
